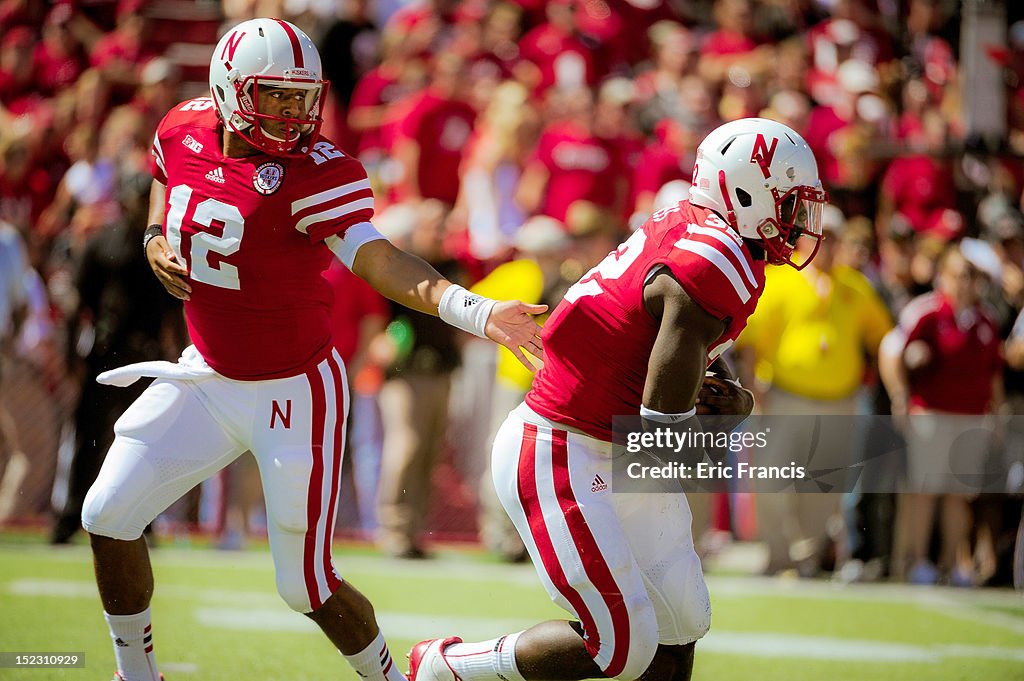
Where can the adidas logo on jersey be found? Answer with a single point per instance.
(193, 144)
(599, 485)
(216, 175)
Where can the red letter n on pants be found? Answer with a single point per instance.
(285, 414)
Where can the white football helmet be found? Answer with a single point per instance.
(761, 176)
(260, 53)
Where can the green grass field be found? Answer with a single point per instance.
(217, 617)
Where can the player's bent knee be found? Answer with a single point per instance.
(294, 593)
(102, 515)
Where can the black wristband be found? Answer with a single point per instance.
(151, 231)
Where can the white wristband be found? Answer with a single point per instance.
(465, 310)
(652, 415)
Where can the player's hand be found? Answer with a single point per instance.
(511, 324)
(167, 269)
(721, 397)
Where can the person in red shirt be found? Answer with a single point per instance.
(636, 335)
(561, 58)
(942, 365)
(733, 44)
(433, 136)
(248, 207)
(58, 58)
(572, 163)
(920, 185)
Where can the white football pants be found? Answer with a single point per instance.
(180, 432)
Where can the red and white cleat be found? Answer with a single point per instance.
(427, 663)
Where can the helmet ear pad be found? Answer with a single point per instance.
(762, 178)
(267, 53)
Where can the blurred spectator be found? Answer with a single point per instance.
(920, 186)
(571, 162)
(16, 83)
(562, 59)
(13, 303)
(943, 360)
(668, 157)
(494, 163)
(535, 276)
(733, 47)
(25, 188)
(433, 136)
(123, 316)
(674, 51)
(822, 321)
(414, 400)
(59, 58)
(119, 54)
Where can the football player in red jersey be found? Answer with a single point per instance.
(247, 209)
(636, 335)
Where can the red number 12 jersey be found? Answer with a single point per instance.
(250, 232)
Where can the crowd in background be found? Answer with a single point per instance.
(513, 144)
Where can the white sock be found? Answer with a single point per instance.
(374, 662)
(133, 646)
(486, 660)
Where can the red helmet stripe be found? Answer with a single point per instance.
(296, 47)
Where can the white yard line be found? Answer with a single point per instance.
(252, 611)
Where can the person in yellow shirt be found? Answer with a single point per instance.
(807, 349)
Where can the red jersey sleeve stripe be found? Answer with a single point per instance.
(335, 213)
(720, 261)
(329, 195)
(742, 257)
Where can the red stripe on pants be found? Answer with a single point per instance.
(316, 483)
(594, 562)
(538, 529)
(333, 582)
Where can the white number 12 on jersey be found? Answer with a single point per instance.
(198, 263)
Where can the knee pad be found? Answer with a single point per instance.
(686, 610)
(292, 588)
(116, 504)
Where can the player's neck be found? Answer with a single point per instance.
(234, 146)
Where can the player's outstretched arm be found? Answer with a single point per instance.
(410, 281)
(162, 260)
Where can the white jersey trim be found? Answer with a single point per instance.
(355, 237)
(329, 195)
(724, 238)
(333, 213)
(718, 259)
(158, 153)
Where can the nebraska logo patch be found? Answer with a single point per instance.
(268, 177)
